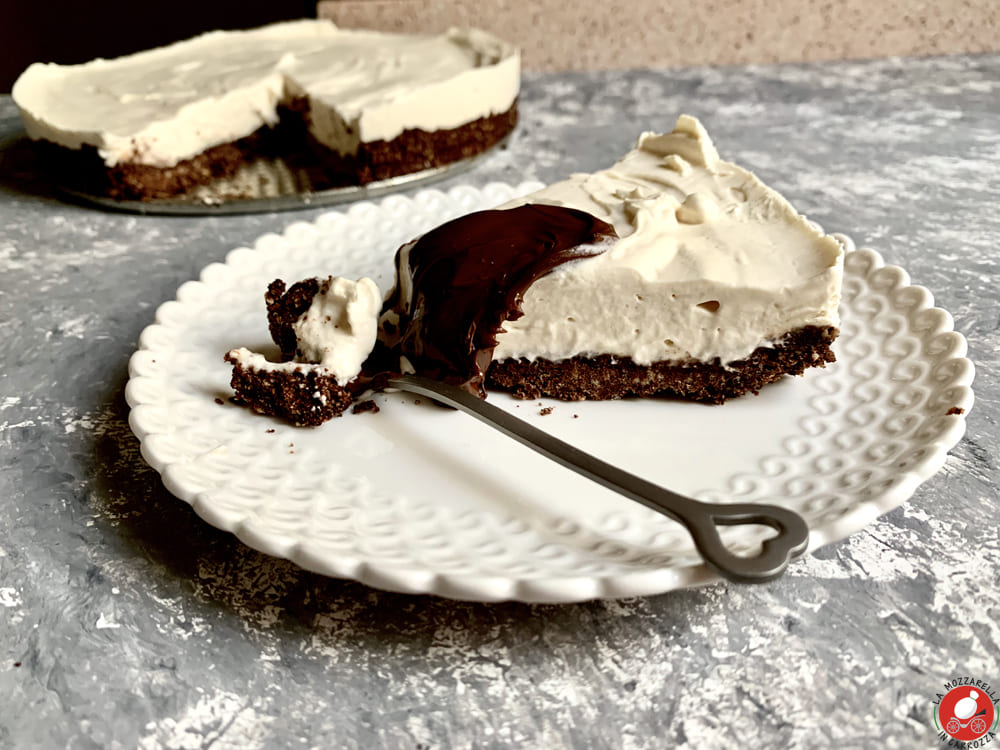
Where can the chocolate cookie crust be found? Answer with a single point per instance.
(608, 377)
(286, 307)
(411, 151)
(85, 170)
(305, 397)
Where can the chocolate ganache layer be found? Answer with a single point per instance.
(459, 283)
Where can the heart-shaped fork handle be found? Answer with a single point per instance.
(700, 519)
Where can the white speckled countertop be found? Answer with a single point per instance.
(126, 622)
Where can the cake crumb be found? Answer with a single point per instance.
(362, 406)
(955, 410)
(576, 416)
(546, 411)
(269, 430)
(219, 401)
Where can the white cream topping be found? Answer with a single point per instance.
(335, 335)
(165, 105)
(338, 330)
(711, 262)
(257, 361)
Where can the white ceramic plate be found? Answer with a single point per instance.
(421, 499)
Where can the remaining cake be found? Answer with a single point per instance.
(349, 106)
(671, 273)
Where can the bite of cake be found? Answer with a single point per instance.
(673, 272)
(326, 329)
(348, 106)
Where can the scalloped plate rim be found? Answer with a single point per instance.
(541, 589)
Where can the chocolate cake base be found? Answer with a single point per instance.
(84, 170)
(309, 397)
(304, 397)
(411, 151)
(608, 377)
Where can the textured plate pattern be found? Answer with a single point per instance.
(422, 499)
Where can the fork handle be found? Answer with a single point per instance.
(701, 519)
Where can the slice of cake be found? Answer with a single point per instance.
(353, 106)
(715, 287)
(671, 273)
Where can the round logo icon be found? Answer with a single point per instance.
(965, 713)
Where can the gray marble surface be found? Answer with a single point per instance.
(126, 622)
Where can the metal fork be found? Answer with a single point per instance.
(699, 518)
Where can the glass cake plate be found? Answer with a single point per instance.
(417, 498)
(261, 187)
